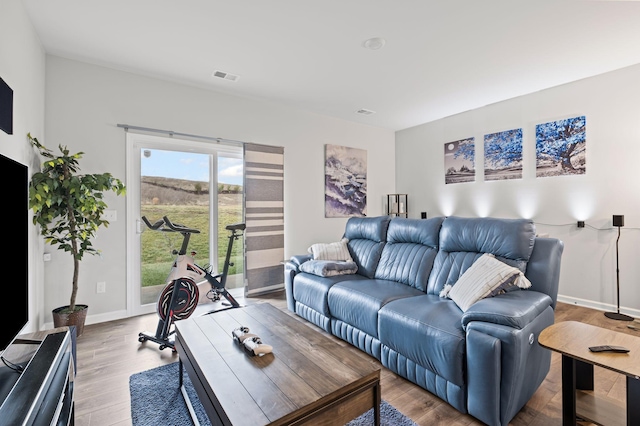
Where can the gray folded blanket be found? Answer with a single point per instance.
(329, 268)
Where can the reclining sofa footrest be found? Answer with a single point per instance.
(313, 316)
(357, 338)
(426, 379)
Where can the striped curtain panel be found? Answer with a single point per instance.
(264, 216)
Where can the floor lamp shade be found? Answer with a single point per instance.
(618, 221)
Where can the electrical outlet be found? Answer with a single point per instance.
(101, 287)
(110, 215)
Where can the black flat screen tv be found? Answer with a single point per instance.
(14, 217)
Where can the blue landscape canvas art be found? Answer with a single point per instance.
(345, 181)
(503, 155)
(459, 160)
(561, 147)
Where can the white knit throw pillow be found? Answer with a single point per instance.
(331, 251)
(486, 277)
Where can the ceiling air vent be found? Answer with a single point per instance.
(365, 111)
(225, 75)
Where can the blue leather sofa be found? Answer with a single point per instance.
(485, 361)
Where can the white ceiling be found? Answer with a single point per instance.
(441, 57)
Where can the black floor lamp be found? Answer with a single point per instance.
(618, 220)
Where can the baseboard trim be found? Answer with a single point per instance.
(605, 307)
(267, 289)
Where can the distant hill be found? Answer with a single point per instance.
(160, 190)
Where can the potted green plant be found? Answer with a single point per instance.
(68, 206)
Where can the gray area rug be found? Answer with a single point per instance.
(156, 400)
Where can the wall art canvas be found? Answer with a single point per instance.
(561, 147)
(503, 155)
(459, 157)
(345, 181)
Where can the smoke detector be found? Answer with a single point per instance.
(225, 75)
(374, 43)
(365, 111)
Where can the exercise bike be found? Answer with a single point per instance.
(180, 296)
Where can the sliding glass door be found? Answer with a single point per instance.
(195, 184)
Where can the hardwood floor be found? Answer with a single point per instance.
(108, 353)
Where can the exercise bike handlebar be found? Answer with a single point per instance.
(155, 226)
(178, 228)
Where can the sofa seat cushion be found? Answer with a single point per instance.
(427, 330)
(311, 290)
(357, 302)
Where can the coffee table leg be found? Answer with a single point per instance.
(377, 400)
(568, 391)
(185, 395)
(633, 396)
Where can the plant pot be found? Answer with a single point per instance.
(66, 319)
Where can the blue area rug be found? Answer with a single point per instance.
(157, 400)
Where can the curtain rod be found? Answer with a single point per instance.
(171, 133)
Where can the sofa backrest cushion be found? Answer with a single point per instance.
(367, 237)
(412, 245)
(464, 240)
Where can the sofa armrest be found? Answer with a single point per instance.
(300, 259)
(291, 268)
(522, 364)
(514, 309)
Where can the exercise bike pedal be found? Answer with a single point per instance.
(213, 295)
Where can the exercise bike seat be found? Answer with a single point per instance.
(236, 227)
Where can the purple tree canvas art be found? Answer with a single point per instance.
(503, 155)
(459, 158)
(561, 147)
(345, 181)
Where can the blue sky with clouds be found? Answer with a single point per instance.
(189, 165)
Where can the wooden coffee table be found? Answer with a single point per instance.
(308, 379)
(572, 339)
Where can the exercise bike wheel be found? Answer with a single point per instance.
(186, 301)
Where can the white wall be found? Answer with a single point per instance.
(22, 67)
(611, 104)
(84, 104)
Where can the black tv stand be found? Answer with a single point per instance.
(43, 392)
(19, 341)
(8, 379)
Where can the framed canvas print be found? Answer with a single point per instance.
(459, 158)
(561, 147)
(503, 155)
(345, 181)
